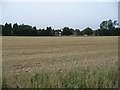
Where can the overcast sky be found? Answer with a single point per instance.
(77, 15)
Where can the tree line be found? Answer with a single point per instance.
(107, 28)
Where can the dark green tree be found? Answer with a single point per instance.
(34, 28)
(7, 29)
(35, 31)
(15, 29)
(43, 32)
(1, 30)
(49, 31)
(25, 30)
(67, 31)
(88, 31)
(117, 31)
(107, 28)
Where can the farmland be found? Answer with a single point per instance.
(24, 56)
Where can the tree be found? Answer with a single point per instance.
(49, 31)
(35, 32)
(15, 29)
(77, 32)
(1, 30)
(25, 30)
(104, 25)
(7, 29)
(67, 31)
(108, 28)
(117, 31)
(88, 31)
(34, 28)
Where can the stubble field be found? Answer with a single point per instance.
(25, 56)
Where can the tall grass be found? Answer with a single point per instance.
(5, 84)
(79, 78)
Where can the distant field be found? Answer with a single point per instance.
(25, 56)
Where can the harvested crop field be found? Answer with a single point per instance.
(25, 56)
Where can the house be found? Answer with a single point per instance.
(82, 34)
(57, 32)
(85, 35)
(76, 32)
(95, 33)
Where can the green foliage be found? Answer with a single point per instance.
(15, 29)
(26, 30)
(34, 28)
(18, 30)
(77, 78)
(88, 31)
(40, 81)
(107, 28)
(49, 31)
(1, 30)
(108, 25)
(7, 29)
(117, 31)
(67, 31)
(5, 84)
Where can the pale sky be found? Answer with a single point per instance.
(77, 15)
